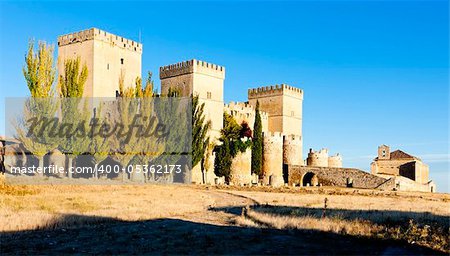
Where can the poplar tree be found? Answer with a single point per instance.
(39, 73)
(200, 128)
(75, 115)
(257, 143)
(133, 101)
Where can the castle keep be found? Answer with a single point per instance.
(194, 77)
(106, 56)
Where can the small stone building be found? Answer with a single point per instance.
(410, 172)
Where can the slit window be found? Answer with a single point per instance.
(121, 61)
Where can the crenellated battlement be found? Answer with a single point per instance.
(292, 139)
(322, 152)
(243, 110)
(192, 66)
(282, 89)
(273, 136)
(100, 35)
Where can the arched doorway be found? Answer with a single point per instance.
(311, 179)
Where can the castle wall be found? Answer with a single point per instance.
(337, 177)
(241, 172)
(272, 158)
(335, 161)
(106, 56)
(292, 150)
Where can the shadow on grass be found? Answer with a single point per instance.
(375, 216)
(99, 235)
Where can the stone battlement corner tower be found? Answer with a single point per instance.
(107, 57)
(195, 77)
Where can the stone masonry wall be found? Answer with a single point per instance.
(241, 171)
(337, 177)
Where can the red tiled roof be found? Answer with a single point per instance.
(398, 154)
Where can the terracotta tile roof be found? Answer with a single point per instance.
(398, 154)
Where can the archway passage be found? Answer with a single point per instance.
(311, 179)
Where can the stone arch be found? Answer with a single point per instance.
(310, 178)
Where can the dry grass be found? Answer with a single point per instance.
(33, 207)
(414, 217)
(422, 228)
(437, 204)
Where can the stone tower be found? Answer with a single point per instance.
(292, 150)
(319, 159)
(107, 56)
(384, 152)
(273, 158)
(194, 77)
(284, 105)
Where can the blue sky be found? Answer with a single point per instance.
(373, 72)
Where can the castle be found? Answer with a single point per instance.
(110, 57)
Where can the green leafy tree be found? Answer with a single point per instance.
(39, 73)
(222, 164)
(257, 143)
(71, 83)
(233, 142)
(39, 70)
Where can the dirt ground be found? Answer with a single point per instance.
(163, 219)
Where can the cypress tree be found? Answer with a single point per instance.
(257, 145)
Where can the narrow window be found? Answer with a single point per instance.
(121, 61)
(208, 95)
(107, 66)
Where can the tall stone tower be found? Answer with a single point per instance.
(195, 77)
(284, 105)
(107, 56)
